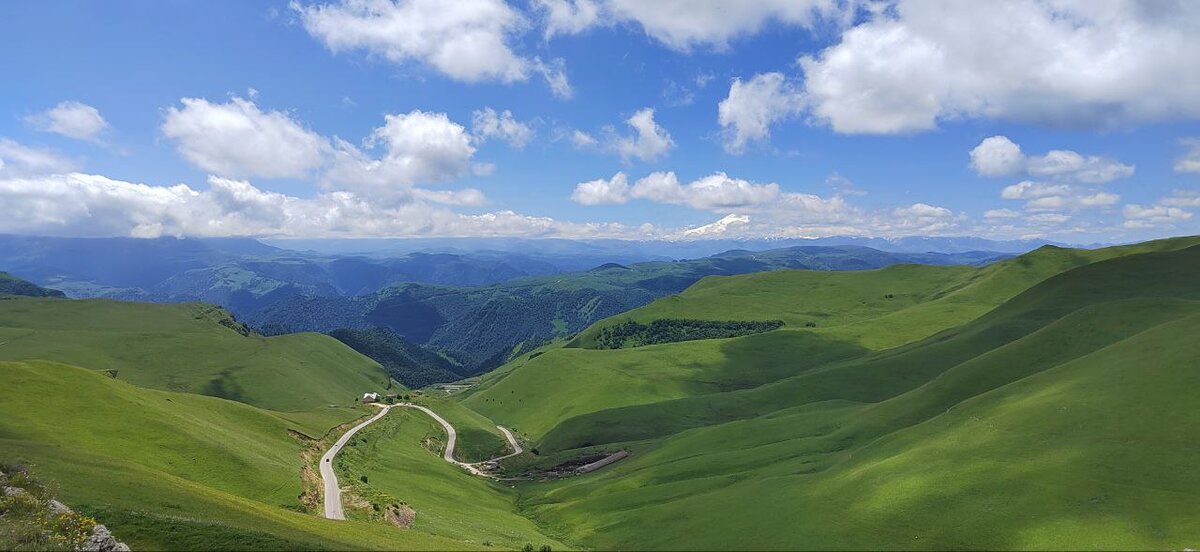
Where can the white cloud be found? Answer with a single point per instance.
(1029, 190)
(1067, 62)
(993, 214)
(650, 142)
(1041, 196)
(466, 40)
(1150, 216)
(1182, 198)
(924, 210)
(237, 139)
(1070, 165)
(843, 186)
(469, 197)
(76, 204)
(418, 147)
(747, 114)
(486, 124)
(997, 156)
(17, 161)
(684, 24)
(1190, 161)
(554, 72)
(583, 140)
(70, 119)
(567, 17)
(601, 191)
(717, 191)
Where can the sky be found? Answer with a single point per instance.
(1070, 120)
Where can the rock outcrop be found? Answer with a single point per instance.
(102, 540)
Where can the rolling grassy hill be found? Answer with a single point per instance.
(189, 347)
(171, 470)
(1044, 406)
(483, 326)
(11, 285)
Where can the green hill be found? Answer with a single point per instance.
(11, 285)
(191, 347)
(171, 470)
(1053, 418)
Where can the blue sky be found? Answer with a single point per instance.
(1074, 121)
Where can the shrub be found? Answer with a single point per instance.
(363, 478)
(672, 330)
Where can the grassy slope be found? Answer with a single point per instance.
(478, 438)
(852, 305)
(168, 469)
(447, 502)
(11, 285)
(180, 348)
(535, 394)
(813, 460)
(171, 470)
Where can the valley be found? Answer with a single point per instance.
(872, 401)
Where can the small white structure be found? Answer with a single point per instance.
(370, 397)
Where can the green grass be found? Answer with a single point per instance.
(186, 348)
(171, 470)
(1047, 406)
(447, 501)
(478, 438)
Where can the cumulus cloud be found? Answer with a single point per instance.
(924, 210)
(684, 24)
(238, 139)
(76, 204)
(1189, 162)
(602, 191)
(567, 17)
(1150, 216)
(997, 156)
(1041, 196)
(717, 191)
(467, 40)
(1182, 198)
(747, 114)
(1069, 62)
(649, 141)
(1068, 164)
(417, 147)
(71, 119)
(486, 123)
(17, 160)
(993, 214)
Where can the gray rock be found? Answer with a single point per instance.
(58, 508)
(102, 540)
(15, 491)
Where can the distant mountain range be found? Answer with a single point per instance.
(482, 327)
(626, 251)
(476, 306)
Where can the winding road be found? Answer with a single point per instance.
(333, 492)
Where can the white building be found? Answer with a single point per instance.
(370, 397)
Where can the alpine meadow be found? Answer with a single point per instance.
(599, 275)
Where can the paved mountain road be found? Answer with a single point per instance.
(333, 492)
